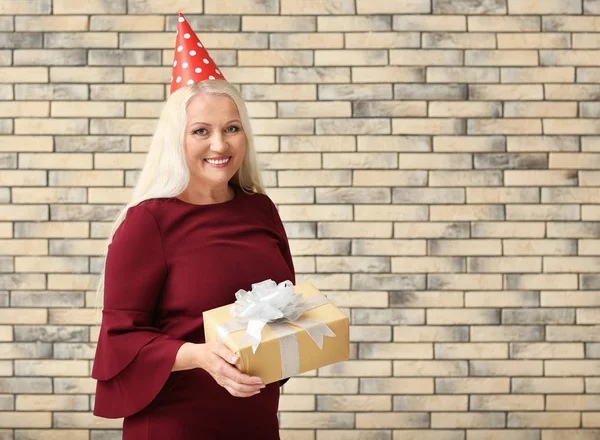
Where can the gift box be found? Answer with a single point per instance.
(279, 331)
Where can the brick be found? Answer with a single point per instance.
(322, 386)
(539, 7)
(573, 230)
(13, 419)
(545, 281)
(505, 126)
(277, 24)
(458, 40)
(362, 299)
(505, 264)
(571, 367)
(464, 281)
(430, 91)
(353, 264)
(506, 368)
(462, 317)
(507, 403)
(57, 92)
(589, 110)
(373, 333)
(387, 74)
(431, 230)
(126, 23)
(307, 41)
(58, 40)
(437, 368)
(546, 420)
(466, 213)
(392, 420)
(568, 57)
(463, 74)
(502, 195)
(369, 40)
(389, 108)
(387, 282)
(317, 143)
(547, 385)
(428, 126)
(590, 213)
(541, 110)
(23, 74)
(572, 92)
(568, 195)
(49, 57)
(168, 6)
(540, 144)
(500, 58)
(508, 333)
(467, 143)
(510, 160)
(428, 265)
(39, 7)
(46, 299)
(126, 92)
(84, 212)
(317, 213)
(321, 75)
(472, 385)
(354, 92)
(430, 23)
(395, 351)
(306, 7)
(394, 385)
(574, 160)
(25, 143)
(588, 75)
(398, 213)
(589, 178)
(432, 333)
(87, 109)
(85, 75)
(546, 350)
(430, 403)
(356, 126)
(388, 247)
(427, 57)
(123, 57)
(465, 178)
(479, 23)
(436, 161)
(544, 40)
(49, 195)
(22, 281)
(51, 126)
(542, 212)
(537, 74)
(479, 92)
(353, 403)
(353, 195)
(428, 195)
(52, 403)
(468, 420)
(359, 160)
(350, 57)
(539, 247)
(469, 7)
(354, 23)
(395, 143)
(387, 316)
(24, 212)
(588, 247)
(24, 109)
(464, 109)
(302, 403)
(464, 247)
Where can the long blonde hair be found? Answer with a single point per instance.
(165, 172)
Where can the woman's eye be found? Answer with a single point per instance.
(232, 129)
(201, 131)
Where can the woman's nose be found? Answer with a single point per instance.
(218, 143)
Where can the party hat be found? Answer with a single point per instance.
(192, 63)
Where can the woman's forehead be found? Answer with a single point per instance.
(206, 108)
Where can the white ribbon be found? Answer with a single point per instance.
(276, 305)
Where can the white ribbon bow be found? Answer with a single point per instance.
(269, 302)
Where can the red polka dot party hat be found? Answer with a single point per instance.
(191, 62)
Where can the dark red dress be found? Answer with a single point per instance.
(168, 262)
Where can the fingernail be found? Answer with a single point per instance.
(234, 359)
(262, 386)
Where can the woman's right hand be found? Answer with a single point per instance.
(216, 359)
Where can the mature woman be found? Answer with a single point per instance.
(198, 228)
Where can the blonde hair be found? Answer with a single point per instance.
(165, 172)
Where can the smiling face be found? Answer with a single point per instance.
(215, 142)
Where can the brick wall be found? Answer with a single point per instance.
(436, 164)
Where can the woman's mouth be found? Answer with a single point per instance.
(218, 162)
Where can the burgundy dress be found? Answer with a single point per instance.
(168, 262)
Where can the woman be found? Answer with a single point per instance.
(198, 228)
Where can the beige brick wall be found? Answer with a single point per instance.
(437, 165)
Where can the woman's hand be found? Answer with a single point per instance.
(216, 359)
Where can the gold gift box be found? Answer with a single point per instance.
(266, 362)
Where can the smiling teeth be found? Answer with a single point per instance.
(217, 162)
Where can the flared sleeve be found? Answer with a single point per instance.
(133, 359)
